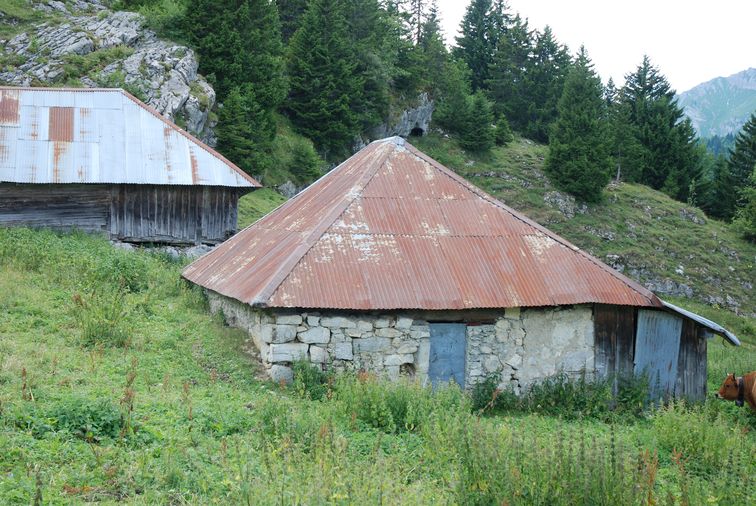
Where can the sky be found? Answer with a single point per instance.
(691, 41)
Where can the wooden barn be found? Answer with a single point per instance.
(100, 160)
(394, 264)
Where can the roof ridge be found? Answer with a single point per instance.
(481, 193)
(287, 266)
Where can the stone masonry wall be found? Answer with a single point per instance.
(522, 346)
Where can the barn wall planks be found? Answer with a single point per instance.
(691, 363)
(55, 206)
(134, 213)
(615, 339)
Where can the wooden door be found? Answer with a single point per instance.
(657, 346)
(447, 353)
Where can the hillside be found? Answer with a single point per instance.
(116, 385)
(722, 105)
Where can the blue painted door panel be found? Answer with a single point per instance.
(657, 345)
(447, 353)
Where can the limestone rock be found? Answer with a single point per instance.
(284, 333)
(343, 351)
(388, 332)
(287, 352)
(372, 344)
(318, 355)
(281, 373)
(293, 319)
(337, 322)
(319, 335)
(403, 323)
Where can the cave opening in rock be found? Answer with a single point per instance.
(417, 132)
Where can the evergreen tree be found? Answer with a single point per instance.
(452, 107)
(670, 158)
(624, 148)
(545, 79)
(478, 131)
(433, 53)
(745, 219)
(508, 73)
(245, 131)
(578, 160)
(716, 195)
(743, 155)
(503, 134)
(290, 12)
(325, 89)
(240, 50)
(480, 32)
(239, 43)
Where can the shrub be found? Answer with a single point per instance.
(701, 433)
(487, 397)
(91, 420)
(102, 316)
(310, 381)
(395, 406)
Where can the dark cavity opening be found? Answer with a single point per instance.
(407, 370)
(417, 132)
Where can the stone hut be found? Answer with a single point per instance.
(100, 160)
(394, 264)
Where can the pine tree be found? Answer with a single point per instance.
(325, 89)
(508, 73)
(452, 107)
(545, 80)
(245, 131)
(239, 43)
(670, 158)
(479, 37)
(578, 160)
(745, 219)
(503, 134)
(433, 53)
(625, 150)
(478, 131)
(290, 12)
(743, 155)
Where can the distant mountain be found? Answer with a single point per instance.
(722, 105)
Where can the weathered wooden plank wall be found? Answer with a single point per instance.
(614, 328)
(136, 213)
(173, 213)
(691, 363)
(55, 206)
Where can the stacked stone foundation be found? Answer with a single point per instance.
(521, 346)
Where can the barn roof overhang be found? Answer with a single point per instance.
(704, 322)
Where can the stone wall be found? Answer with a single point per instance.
(523, 346)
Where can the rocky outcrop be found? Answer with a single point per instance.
(411, 121)
(95, 47)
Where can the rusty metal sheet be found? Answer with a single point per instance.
(392, 229)
(9, 107)
(102, 136)
(61, 124)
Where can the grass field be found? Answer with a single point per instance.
(117, 385)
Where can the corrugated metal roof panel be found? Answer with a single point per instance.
(134, 144)
(392, 229)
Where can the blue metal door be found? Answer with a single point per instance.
(657, 346)
(447, 353)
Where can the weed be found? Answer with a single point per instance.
(102, 317)
(311, 382)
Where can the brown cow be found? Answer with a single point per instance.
(739, 389)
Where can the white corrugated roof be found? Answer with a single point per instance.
(101, 136)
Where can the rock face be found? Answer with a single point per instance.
(411, 121)
(95, 47)
(521, 346)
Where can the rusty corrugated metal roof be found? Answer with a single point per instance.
(54, 135)
(391, 228)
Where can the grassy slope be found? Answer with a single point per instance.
(257, 204)
(210, 432)
(647, 230)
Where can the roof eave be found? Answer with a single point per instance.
(705, 322)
